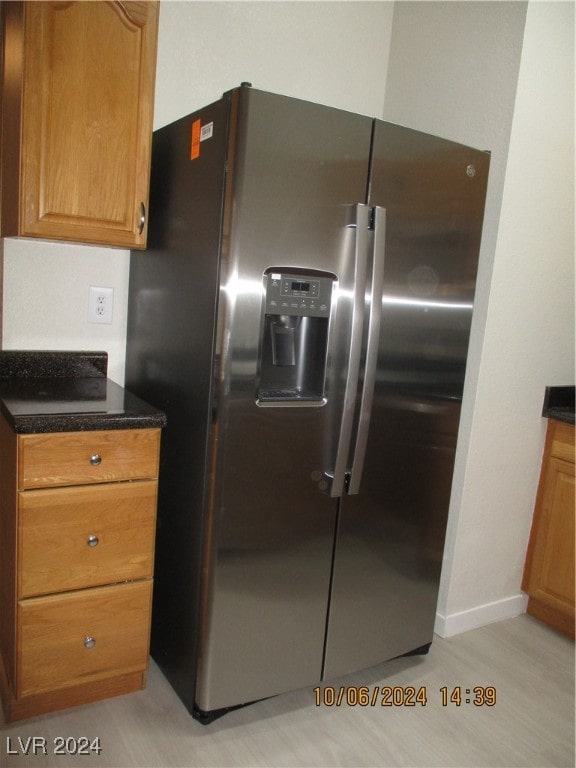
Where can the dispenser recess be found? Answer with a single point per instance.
(294, 337)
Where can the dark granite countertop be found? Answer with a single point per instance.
(67, 392)
(559, 404)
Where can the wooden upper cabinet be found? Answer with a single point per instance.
(78, 97)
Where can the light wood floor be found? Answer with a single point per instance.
(531, 724)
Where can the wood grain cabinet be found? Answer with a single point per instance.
(549, 570)
(77, 525)
(77, 109)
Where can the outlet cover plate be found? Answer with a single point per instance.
(100, 304)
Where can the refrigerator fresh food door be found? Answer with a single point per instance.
(392, 523)
(294, 170)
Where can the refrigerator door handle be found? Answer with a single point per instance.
(377, 284)
(337, 479)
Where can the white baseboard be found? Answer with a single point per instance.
(456, 623)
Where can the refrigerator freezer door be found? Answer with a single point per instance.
(295, 169)
(391, 534)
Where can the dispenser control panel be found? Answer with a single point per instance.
(303, 295)
(303, 288)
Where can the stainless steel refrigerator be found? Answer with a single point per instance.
(302, 316)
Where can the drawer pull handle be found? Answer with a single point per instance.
(92, 541)
(89, 642)
(95, 459)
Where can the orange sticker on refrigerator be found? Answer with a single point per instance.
(195, 142)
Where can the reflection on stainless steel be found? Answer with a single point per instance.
(426, 304)
(307, 462)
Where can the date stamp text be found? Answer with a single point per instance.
(403, 696)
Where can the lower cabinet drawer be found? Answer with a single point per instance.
(83, 636)
(85, 536)
(79, 458)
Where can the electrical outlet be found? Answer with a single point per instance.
(100, 305)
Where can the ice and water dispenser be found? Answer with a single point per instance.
(293, 346)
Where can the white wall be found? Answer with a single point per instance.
(334, 53)
(529, 338)
(46, 298)
(453, 70)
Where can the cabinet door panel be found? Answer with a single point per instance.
(552, 580)
(87, 121)
(54, 632)
(549, 569)
(70, 538)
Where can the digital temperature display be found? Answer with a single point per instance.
(298, 287)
